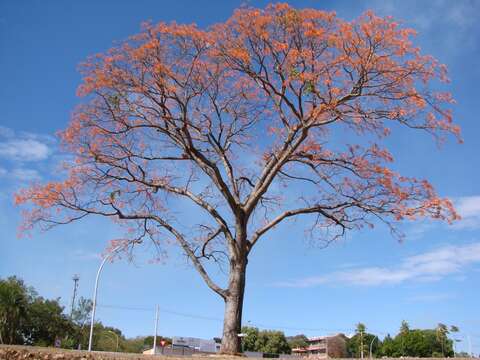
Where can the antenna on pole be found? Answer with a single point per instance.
(75, 279)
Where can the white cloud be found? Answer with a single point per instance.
(430, 266)
(449, 22)
(469, 206)
(463, 14)
(26, 174)
(18, 148)
(6, 132)
(20, 174)
(24, 146)
(469, 209)
(24, 150)
(86, 255)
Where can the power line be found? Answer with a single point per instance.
(124, 307)
(164, 310)
(282, 327)
(256, 324)
(211, 318)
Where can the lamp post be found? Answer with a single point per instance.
(94, 302)
(371, 344)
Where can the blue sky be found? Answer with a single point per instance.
(433, 276)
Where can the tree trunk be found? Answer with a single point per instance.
(232, 322)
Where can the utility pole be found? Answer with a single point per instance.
(75, 279)
(470, 345)
(361, 344)
(156, 328)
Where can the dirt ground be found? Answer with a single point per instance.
(14, 352)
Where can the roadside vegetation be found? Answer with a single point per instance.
(26, 318)
(29, 319)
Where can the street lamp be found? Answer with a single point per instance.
(371, 344)
(94, 304)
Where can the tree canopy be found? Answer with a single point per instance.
(29, 319)
(266, 341)
(26, 318)
(297, 341)
(407, 343)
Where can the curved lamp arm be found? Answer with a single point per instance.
(94, 302)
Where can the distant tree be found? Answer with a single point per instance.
(222, 118)
(273, 342)
(82, 311)
(359, 344)
(267, 341)
(249, 342)
(420, 343)
(414, 343)
(107, 338)
(454, 330)
(297, 341)
(46, 323)
(14, 301)
(81, 318)
(148, 341)
(26, 318)
(404, 330)
(404, 327)
(360, 330)
(136, 345)
(337, 346)
(442, 332)
(389, 347)
(29, 319)
(103, 339)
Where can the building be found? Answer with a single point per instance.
(196, 344)
(186, 346)
(334, 346)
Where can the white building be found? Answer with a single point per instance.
(197, 344)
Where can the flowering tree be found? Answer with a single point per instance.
(238, 121)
